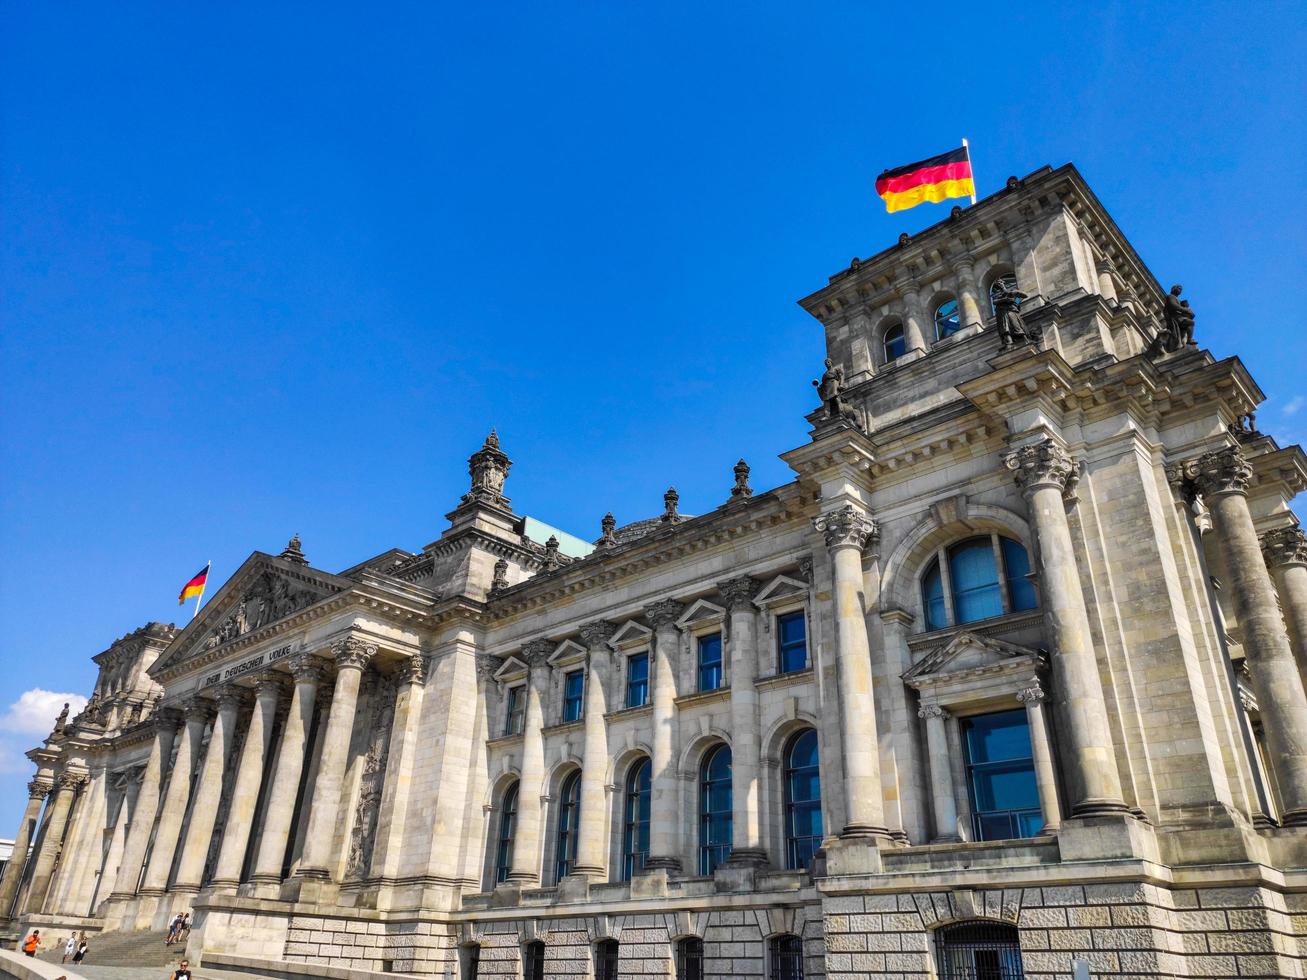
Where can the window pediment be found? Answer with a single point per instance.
(630, 636)
(780, 590)
(512, 669)
(701, 613)
(971, 655)
(567, 652)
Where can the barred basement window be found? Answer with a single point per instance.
(978, 951)
(606, 955)
(469, 961)
(533, 961)
(785, 958)
(689, 959)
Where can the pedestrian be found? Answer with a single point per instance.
(70, 947)
(183, 971)
(32, 943)
(184, 929)
(81, 949)
(173, 926)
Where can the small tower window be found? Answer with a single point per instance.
(894, 343)
(947, 321)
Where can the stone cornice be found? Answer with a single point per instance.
(1286, 467)
(130, 646)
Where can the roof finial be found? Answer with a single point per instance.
(741, 488)
(670, 499)
(292, 551)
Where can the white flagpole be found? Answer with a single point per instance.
(200, 598)
(967, 146)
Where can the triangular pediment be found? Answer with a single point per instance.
(631, 634)
(780, 589)
(569, 651)
(265, 590)
(701, 611)
(967, 652)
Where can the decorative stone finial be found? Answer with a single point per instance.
(1285, 546)
(1041, 464)
(488, 467)
(609, 524)
(846, 527)
(670, 499)
(551, 559)
(292, 552)
(1223, 471)
(741, 488)
(499, 580)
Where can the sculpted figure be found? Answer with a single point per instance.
(1177, 323)
(1007, 315)
(830, 390)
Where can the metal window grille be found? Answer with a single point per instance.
(471, 961)
(978, 951)
(534, 967)
(606, 954)
(786, 956)
(689, 959)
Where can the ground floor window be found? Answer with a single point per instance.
(689, 959)
(606, 953)
(785, 958)
(533, 961)
(470, 961)
(978, 951)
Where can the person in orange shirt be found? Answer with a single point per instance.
(32, 942)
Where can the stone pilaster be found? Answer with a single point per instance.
(37, 790)
(531, 786)
(1285, 551)
(592, 848)
(1042, 756)
(398, 786)
(941, 774)
(208, 790)
(664, 818)
(249, 777)
(746, 818)
(847, 532)
(917, 334)
(1045, 472)
(147, 806)
(970, 310)
(166, 839)
(65, 789)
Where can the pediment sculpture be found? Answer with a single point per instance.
(269, 599)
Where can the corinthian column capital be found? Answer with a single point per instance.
(198, 708)
(931, 711)
(1041, 464)
(664, 612)
(70, 780)
(739, 592)
(846, 527)
(353, 652)
(1285, 546)
(414, 670)
(536, 653)
(1224, 471)
(306, 667)
(597, 634)
(38, 789)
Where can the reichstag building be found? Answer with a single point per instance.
(1009, 675)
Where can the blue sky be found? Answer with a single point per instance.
(278, 268)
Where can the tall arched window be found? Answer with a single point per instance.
(1008, 280)
(714, 809)
(507, 829)
(802, 799)
(635, 819)
(786, 956)
(894, 343)
(970, 950)
(533, 961)
(569, 809)
(947, 320)
(976, 579)
(689, 958)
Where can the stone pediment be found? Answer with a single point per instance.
(969, 653)
(264, 591)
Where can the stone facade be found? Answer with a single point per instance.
(1065, 534)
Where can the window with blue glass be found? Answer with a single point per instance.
(710, 662)
(792, 640)
(637, 680)
(514, 710)
(573, 694)
(802, 799)
(635, 819)
(979, 578)
(714, 809)
(1001, 776)
(947, 321)
(569, 808)
(895, 343)
(504, 838)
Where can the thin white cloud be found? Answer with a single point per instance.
(35, 711)
(1293, 404)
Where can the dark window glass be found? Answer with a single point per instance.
(895, 344)
(569, 808)
(507, 828)
(1001, 776)
(947, 322)
(932, 597)
(976, 594)
(978, 951)
(1016, 566)
(637, 680)
(573, 694)
(606, 957)
(515, 710)
(1009, 280)
(802, 800)
(635, 821)
(792, 637)
(715, 809)
(689, 959)
(533, 961)
(786, 955)
(471, 961)
(710, 662)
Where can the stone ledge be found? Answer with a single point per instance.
(282, 969)
(30, 968)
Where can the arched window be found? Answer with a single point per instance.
(802, 800)
(894, 343)
(533, 961)
(606, 957)
(689, 959)
(978, 951)
(976, 579)
(785, 958)
(569, 809)
(507, 829)
(714, 809)
(1007, 280)
(635, 819)
(947, 320)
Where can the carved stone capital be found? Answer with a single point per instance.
(487, 665)
(198, 708)
(270, 682)
(932, 711)
(536, 653)
(1041, 464)
(597, 634)
(167, 719)
(1285, 546)
(69, 780)
(739, 592)
(846, 527)
(352, 652)
(1032, 693)
(231, 696)
(38, 789)
(1224, 471)
(413, 670)
(664, 612)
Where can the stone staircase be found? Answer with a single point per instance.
(140, 949)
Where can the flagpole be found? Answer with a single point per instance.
(967, 146)
(200, 598)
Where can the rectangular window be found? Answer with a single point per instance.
(792, 639)
(573, 694)
(471, 961)
(534, 966)
(1001, 776)
(710, 662)
(607, 952)
(689, 959)
(637, 680)
(515, 713)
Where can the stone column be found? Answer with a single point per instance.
(746, 817)
(847, 531)
(65, 788)
(83, 849)
(969, 303)
(941, 774)
(592, 844)
(1042, 755)
(664, 817)
(1044, 471)
(141, 821)
(397, 788)
(1222, 478)
(1285, 551)
(352, 656)
(280, 810)
(525, 869)
(249, 777)
(37, 791)
(166, 839)
(914, 326)
(208, 790)
(1106, 287)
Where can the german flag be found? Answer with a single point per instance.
(947, 175)
(195, 587)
